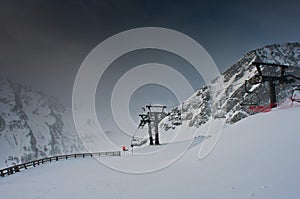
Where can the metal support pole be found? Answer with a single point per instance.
(156, 121)
(273, 101)
(150, 133)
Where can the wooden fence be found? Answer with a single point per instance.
(17, 168)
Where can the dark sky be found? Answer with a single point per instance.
(43, 42)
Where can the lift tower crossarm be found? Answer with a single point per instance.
(269, 64)
(258, 64)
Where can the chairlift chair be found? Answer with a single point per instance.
(177, 122)
(249, 98)
(296, 95)
(138, 141)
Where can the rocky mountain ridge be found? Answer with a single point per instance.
(33, 125)
(229, 101)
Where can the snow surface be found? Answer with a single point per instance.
(257, 157)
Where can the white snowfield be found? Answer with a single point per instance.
(257, 157)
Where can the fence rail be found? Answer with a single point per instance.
(19, 167)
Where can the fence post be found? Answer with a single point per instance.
(10, 171)
(17, 169)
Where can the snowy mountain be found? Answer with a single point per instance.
(251, 160)
(230, 99)
(33, 125)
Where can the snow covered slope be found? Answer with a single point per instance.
(255, 158)
(198, 108)
(33, 125)
(226, 104)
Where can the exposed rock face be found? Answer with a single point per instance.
(33, 125)
(230, 98)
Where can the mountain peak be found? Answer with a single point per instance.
(231, 97)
